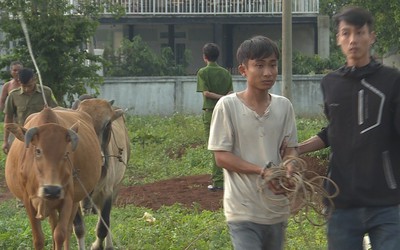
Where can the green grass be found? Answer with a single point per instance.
(162, 148)
(175, 227)
(165, 147)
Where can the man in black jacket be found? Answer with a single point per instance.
(362, 105)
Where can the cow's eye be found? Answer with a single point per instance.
(38, 152)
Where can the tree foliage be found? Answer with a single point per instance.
(310, 65)
(386, 14)
(135, 58)
(59, 33)
(303, 64)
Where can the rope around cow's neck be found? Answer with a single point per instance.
(120, 150)
(301, 188)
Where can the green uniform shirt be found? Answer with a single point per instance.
(215, 79)
(21, 105)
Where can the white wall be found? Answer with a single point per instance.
(167, 95)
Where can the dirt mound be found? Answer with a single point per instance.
(189, 191)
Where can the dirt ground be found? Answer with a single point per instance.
(189, 191)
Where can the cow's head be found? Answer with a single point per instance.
(103, 114)
(49, 149)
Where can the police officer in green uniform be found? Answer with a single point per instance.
(25, 100)
(214, 82)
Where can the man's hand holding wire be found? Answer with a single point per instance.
(280, 179)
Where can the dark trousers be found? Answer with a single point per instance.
(217, 175)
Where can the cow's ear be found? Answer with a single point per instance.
(73, 138)
(117, 114)
(75, 105)
(17, 130)
(111, 102)
(73, 135)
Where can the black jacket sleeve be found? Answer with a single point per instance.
(323, 135)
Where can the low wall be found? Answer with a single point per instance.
(168, 95)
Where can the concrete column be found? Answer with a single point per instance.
(218, 39)
(171, 36)
(178, 98)
(323, 36)
(287, 49)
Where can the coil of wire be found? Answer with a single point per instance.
(303, 188)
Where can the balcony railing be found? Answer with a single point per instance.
(211, 7)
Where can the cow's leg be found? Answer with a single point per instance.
(62, 232)
(103, 225)
(53, 219)
(79, 229)
(109, 243)
(67, 241)
(37, 232)
(86, 206)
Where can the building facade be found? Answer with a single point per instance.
(189, 24)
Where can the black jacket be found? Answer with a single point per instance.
(363, 109)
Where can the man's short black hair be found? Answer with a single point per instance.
(25, 75)
(15, 63)
(211, 52)
(356, 16)
(257, 47)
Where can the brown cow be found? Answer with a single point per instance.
(54, 164)
(112, 134)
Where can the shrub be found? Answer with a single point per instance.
(309, 65)
(135, 58)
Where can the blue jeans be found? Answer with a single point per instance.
(247, 235)
(347, 227)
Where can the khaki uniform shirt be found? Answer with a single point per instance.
(215, 79)
(21, 105)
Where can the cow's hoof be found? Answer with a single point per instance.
(95, 247)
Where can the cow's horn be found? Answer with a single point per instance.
(29, 135)
(74, 139)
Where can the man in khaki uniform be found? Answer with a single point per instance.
(214, 82)
(25, 100)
